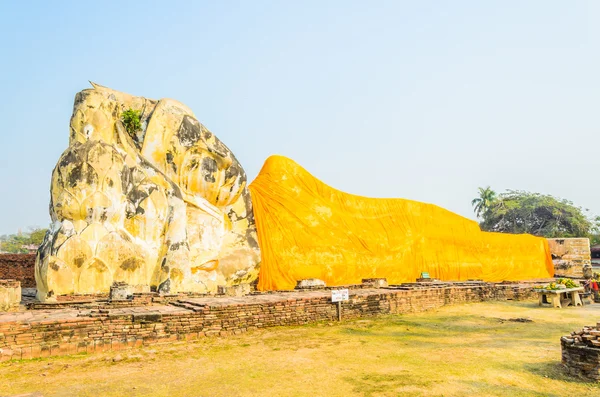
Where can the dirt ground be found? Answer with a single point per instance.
(461, 350)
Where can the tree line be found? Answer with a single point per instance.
(516, 211)
(18, 243)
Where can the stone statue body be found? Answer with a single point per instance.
(164, 207)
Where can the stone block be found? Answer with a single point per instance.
(120, 291)
(234, 290)
(10, 295)
(124, 291)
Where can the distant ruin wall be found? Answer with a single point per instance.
(20, 267)
(570, 255)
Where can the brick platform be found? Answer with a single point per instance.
(43, 333)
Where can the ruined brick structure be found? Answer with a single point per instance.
(43, 333)
(570, 256)
(20, 267)
(581, 353)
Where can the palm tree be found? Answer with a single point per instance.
(485, 200)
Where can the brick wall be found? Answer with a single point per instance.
(569, 255)
(69, 331)
(20, 267)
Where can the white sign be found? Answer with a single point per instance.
(338, 295)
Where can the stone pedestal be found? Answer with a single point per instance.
(310, 283)
(10, 295)
(375, 282)
(120, 291)
(124, 291)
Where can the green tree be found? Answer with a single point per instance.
(485, 200)
(37, 236)
(16, 243)
(595, 236)
(537, 214)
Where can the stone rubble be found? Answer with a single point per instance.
(588, 335)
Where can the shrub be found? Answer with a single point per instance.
(131, 121)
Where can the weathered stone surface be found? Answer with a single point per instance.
(570, 256)
(234, 290)
(120, 291)
(164, 207)
(310, 283)
(10, 294)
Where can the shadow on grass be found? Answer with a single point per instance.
(555, 370)
(407, 384)
(455, 324)
(503, 390)
(459, 325)
(449, 325)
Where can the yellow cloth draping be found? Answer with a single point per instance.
(307, 229)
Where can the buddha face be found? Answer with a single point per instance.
(165, 205)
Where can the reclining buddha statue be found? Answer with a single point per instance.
(161, 206)
(145, 195)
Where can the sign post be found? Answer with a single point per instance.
(337, 296)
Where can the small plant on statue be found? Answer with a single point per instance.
(131, 121)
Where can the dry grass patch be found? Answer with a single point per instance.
(455, 351)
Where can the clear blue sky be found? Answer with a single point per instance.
(417, 99)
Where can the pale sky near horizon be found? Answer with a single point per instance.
(425, 100)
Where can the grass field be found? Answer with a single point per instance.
(467, 350)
